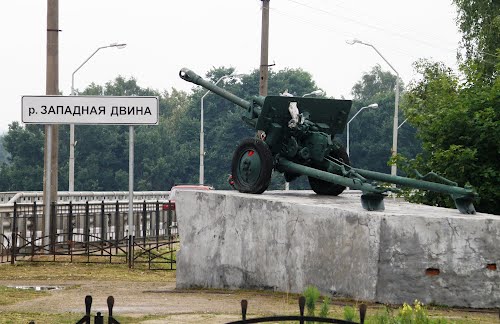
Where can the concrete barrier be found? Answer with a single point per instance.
(285, 241)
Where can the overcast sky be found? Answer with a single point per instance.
(163, 36)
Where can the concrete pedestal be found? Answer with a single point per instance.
(285, 241)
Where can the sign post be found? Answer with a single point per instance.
(93, 110)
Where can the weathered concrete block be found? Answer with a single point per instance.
(449, 260)
(286, 241)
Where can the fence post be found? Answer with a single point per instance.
(34, 229)
(244, 307)
(157, 222)
(53, 227)
(169, 220)
(14, 235)
(103, 227)
(362, 313)
(87, 227)
(302, 304)
(117, 225)
(70, 223)
(144, 221)
(98, 319)
(131, 235)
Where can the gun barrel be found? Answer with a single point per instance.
(190, 76)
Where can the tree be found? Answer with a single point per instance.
(24, 167)
(224, 129)
(459, 125)
(165, 154)
(3, 153)
(479, 21)
(371, 132)
(457, 114)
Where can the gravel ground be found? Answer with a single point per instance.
(138, 299)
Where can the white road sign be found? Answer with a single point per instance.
(133, 110)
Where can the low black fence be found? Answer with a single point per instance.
(99, 318)
(90, 232)
(295, 318)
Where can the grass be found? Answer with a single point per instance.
(66, 318)
(9, 296)
(66, 271)
(75, 272)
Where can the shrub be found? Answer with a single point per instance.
(312, 295)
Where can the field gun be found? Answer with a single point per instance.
(295, 136)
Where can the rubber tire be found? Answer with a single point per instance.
(321, 187)
(266, 170)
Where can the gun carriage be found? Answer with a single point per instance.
(296, 136)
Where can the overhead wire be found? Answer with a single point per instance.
(374, 27)
(331, 28)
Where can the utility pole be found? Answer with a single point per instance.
(51, 131)
(264, 49)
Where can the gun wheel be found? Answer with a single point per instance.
(252, 166)
(327, 188)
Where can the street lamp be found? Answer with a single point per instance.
(202, 134)
(396, 103)
(72, 143)
(374, 105)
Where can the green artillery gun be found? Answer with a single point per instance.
(295, 136)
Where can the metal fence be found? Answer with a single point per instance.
(90, 232)
(99, 318)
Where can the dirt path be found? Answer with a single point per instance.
(139, 298)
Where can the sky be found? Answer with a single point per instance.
(163, 36)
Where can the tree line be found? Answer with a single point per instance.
(168, 153)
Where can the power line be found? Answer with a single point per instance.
(372, 26)
(331, 28)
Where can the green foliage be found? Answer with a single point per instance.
(479, 21)
(312, 295)
(325, 307)
(3, 153)
(457, 115)
(371, 131)
(23, 169)
(458, 123)
(349, 313)
(165, 154)
(406, 314)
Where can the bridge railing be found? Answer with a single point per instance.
(82, 227)
(8, 198)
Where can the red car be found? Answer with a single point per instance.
(177, 188)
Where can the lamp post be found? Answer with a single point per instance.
(396, 103)
(71, 184)
(374, 105)
(202, 134)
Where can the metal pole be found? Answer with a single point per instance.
(130, 196)
(47, 183)
(202, 143)
(394, 150)
(51, 131)
(71, 176)
(71, 185)
(348, 141)
(264, 49)
(394, 167)
(202, 133)
(348, 123)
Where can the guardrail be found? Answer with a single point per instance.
(32, 196)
